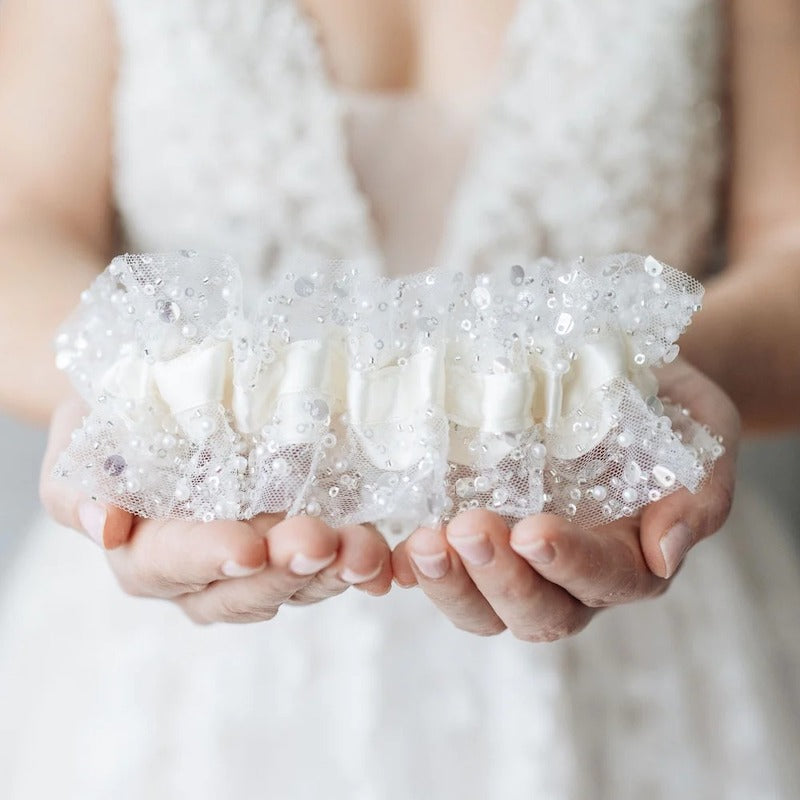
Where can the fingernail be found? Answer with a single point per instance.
(476, 550)
(431, 565)
(231, 569)
(674, 544)
(350, 576)
(93, 517)
(304, 565)
(540, 551)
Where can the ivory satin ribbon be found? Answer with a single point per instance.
(505, 402)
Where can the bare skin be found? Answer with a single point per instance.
(57, 73)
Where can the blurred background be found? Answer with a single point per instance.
(21, 452)
(771, 464)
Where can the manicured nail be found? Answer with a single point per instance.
(476, 550)
(93, 517)
(431, 565)
(230, 569)
(350, 576)
(304, 565)
(675, 543)
(540, 551)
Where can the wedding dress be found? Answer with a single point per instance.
(600, 133)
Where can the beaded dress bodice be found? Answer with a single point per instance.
(230, 136)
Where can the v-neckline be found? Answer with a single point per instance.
(500, 85)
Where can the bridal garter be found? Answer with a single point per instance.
(527, 389)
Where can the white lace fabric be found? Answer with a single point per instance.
(399, 401)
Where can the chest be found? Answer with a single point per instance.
(433, 46)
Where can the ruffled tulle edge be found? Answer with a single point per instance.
(524, 390)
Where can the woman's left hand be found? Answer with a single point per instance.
(547, 577)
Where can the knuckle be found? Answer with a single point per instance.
(554, 631)
(478, 519)
(360, 532)
(628, 587)
(129, 584)
(483, 628)
(146, 579)
(303, 525)
(534, 635)
(154, 579)
(55, 504)
(512, 591)
(659, 588)
(596, 601)
(720, 507)
(194, 615)
(45, 494)
(319, 590)
(229, 611)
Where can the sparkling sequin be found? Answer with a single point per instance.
(481, 298)
(629, 495)
(655, 405)
(632, 473)
(664, 476)
(319, 410)
(170, 312)
(564, 324)
(115, 465)
(652, 266)
(599, 493)
(460, 343)
(304, 287)
(625, 439)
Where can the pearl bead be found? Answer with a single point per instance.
(296, 441)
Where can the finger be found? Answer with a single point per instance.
(533, 608)
(670, 527)
(105, 524)
(166, 558)
(364, 561)
(441, 575)
(600, 567)
(259, 597)
(403, 573)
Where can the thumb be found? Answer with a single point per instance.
(671, 527)
(105, 524)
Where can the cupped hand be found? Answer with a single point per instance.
(545, 578)
(223, 570)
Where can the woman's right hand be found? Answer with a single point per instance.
(221, 571)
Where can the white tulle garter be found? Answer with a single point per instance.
(360, 399)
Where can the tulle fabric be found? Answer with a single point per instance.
(400, 402)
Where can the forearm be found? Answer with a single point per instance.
(43, 270)
(747, 337)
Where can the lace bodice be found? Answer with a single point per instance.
(231, 138)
